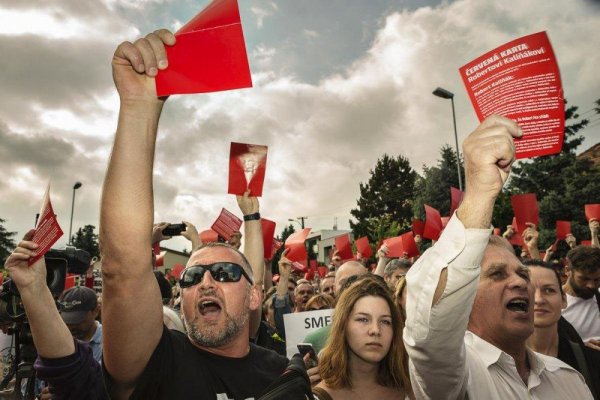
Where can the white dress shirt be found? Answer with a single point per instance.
(584, 315)
(446, 361)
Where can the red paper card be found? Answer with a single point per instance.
(399, 245)
(247, 165)
(520, 80)
(563, 228)
(418, 227)
(69, 281)
(322, 271)
(209, 55)
(295, 244)
(592, 211)
(587, 243)
(226, 224)
(433, 223)
(298, 266)
(47, 230)
(456, 196)
(160, 259)
(177, 270)
(526, 210)
(208, 236)
(363, 247)
(343, 247)
(516, 238)
(268, 231)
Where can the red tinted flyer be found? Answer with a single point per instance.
(520, 80)
(247, 165)
(47, 230)
(226, 224)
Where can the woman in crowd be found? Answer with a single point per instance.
(364, 357)
(553, 335)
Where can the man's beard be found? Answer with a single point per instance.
(580, 291)
(214, 335)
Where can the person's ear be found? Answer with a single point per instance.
(255, 297)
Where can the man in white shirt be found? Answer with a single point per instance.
(583, 299)
(470, 301)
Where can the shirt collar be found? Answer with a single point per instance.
(488, 353)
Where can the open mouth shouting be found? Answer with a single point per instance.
(519, 305)
(209, 307)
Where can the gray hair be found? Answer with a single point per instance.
(395, 264)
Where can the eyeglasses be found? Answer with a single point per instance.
(220, 272)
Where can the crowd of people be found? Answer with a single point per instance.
(469, 318)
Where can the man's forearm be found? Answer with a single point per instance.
(51, 336)
(254, 250)
(126, 214)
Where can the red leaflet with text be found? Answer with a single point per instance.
(247, 165)
(47, 230)
(520, 80)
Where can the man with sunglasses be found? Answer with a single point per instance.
(142, 358)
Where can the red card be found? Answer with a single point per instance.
(520, 80)
(47, 230)
(295, 242)
(247, 164)
(399, 245)
(563, 228)
(210, 54)
(160, 260)
(418, 227)
(363, 247)
(299, 267)
(268, 231)
(516, 238)
(456, 196)
(322, 271)
(69, 281)
(592, 211)
(343, 247)
(208, 236)
(526, 210)
(433, 223)
(177, 270)
(226, 224)
(587, 243)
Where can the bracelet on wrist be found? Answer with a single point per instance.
(252, 217)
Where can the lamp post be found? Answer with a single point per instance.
(445, 94)
(76, 186)
(301, 219)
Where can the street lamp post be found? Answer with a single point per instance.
(445, 94)
(299, 220)
(76, 186)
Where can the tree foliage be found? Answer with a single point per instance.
(386, 198)
(7, 243)
(87, 240)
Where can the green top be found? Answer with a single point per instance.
(318, 338)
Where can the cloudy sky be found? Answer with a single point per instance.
(336, 84)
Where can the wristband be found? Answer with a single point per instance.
(252, 217)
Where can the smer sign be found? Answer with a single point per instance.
(298, 325)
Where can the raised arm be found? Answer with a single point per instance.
(254, 250)
(594, 228)
(132, 306)
(382, 260)
(443, 282)
(530, 238)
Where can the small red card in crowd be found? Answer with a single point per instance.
(298, 266)
(433, 223)
(363, 247)
(295, 244)
(208, 236)
(587, 243)
(525, 207)
(592, 211)
(516, 238)
(247, 165)
(520, 80)
(209, 55)
(343, 247)
(226, 224)
(268, 231)
(456, 196)
(563, 228)
(322, 271)
(70, 281)
(177, 270)
(418, 227)
(399, 245)
(160, 259)
(47, 230)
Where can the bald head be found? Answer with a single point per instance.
(345, 271)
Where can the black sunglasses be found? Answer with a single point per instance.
(220, 272)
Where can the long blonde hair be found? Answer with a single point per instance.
(334, 365)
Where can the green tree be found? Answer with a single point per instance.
(562, 183)
(433, 188)
(386, 197)
(86, 239)
(7, 243)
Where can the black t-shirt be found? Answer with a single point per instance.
(180, 370)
